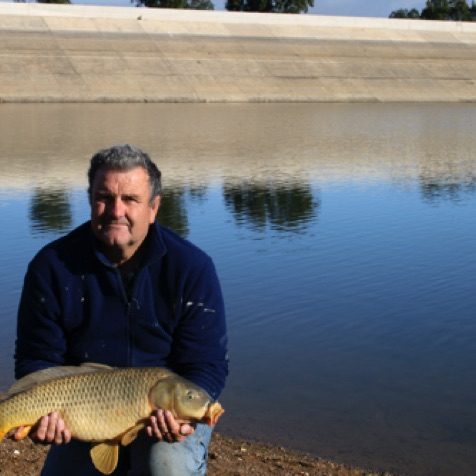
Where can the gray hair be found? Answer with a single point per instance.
(126, 157)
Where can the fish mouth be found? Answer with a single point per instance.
(214, 412)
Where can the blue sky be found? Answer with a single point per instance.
(365, 8)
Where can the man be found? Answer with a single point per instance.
(123, 291)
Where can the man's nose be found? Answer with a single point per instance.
(116, 207)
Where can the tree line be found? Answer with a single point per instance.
(450, 10)
(267, 6)
(447, 10)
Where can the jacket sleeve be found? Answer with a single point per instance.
(200, 348)
(40, 339)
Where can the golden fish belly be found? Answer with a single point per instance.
(95, 407)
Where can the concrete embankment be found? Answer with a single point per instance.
(75, 53)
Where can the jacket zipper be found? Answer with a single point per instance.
(129, 312)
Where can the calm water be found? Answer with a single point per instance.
(344, 236)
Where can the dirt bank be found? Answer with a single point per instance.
(228, 457)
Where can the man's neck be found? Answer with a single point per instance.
(123, 259)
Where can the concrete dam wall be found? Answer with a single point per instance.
(74, 53)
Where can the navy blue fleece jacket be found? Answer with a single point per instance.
(74, 309)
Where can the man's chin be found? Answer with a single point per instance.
(115, 241)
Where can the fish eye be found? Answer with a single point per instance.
(190, 395)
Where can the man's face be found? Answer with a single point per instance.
(120, 209)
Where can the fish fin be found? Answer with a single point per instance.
(20, 435)
(95, 366)
(51, 373)
(105, 456)
(130, 435)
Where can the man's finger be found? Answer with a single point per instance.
(59, 432)
(41, 428)
(51, 428)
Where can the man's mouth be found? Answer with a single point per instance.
(115, 224)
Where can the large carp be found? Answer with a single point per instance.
(104, 405)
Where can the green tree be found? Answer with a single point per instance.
(258, 6)
(269, 6)
(201, 5)
(293, 6)
(184, 4)
(436, 10)
(235, 5)
(405, 13)
(453, 10)
(459, 10)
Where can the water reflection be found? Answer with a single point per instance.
(257, 206)
(173, 212)
(281, 207)
(351, 317)
(254, 205)
(50, 210)
(437, 189)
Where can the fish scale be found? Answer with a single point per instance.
(103, 405)
(113, 395)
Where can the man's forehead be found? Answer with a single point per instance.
(138, 174)
(132, 182)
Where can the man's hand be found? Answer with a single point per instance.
(50, 429)
(163, 426)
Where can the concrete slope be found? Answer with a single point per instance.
(75, 53)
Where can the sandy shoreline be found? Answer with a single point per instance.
(227, 457)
